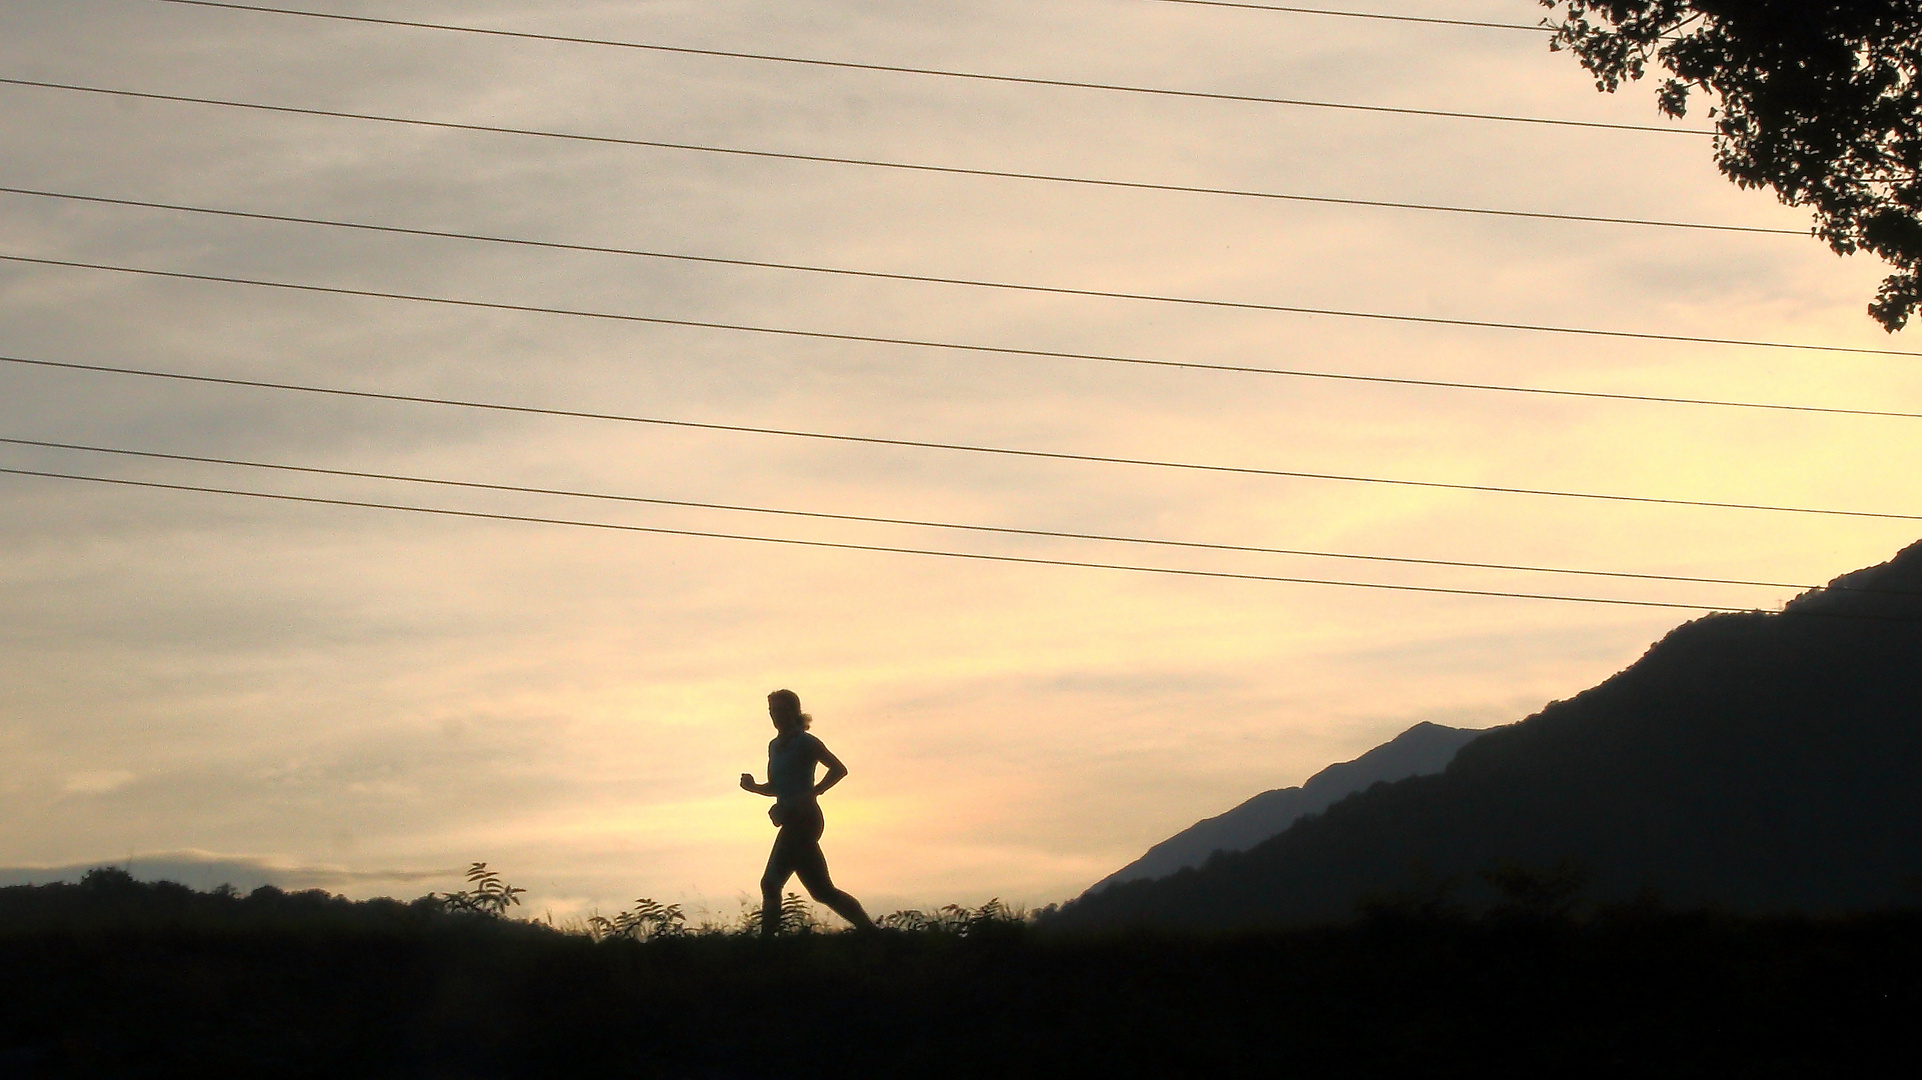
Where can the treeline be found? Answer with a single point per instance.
(115, 978)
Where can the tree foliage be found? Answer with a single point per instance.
(1816, 99)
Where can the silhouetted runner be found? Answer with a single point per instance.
(791, 757)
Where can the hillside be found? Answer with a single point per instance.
(1754, 761)
(1423, 749)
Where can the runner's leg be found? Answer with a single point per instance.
(812, 866)
(780, 864)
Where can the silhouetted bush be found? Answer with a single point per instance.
(487, 893)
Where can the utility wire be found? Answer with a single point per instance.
(1382, 379)
(712, 260)
(601, 249)
(1029, 560)
(656, 320)
(996, 529)
(716, 260)
(898, 69)
(774, 155)
(1344, 14)
(479, 515)
(1047, 455)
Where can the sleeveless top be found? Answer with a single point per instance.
(790, 768)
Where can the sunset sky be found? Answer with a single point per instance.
(367, 700)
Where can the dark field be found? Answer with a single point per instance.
(118, 979)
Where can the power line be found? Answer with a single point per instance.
(1047, 455)
(1028, 560)
(1328, 200)
(771, 155)
(977, 283)
(595, 41)
(745, 328)
(603, 249)
(819, 515)
(898, 69)
(1032, 561)
(1540, 27)
(1382, 379)
(1340, 14)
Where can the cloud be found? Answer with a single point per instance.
(205, 870)
(97, 783)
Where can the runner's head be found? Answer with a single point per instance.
(784, 708)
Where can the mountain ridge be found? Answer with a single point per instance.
(1422, 749)
(1760, 762)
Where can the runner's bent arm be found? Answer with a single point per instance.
(836, 771)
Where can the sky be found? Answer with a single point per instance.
(214, 687)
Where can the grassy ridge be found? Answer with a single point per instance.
(119, 979)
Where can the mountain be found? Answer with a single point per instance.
(1758, 762)
(1422, 749)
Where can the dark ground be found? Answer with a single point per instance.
(117, 979)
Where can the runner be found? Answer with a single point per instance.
(791, 758)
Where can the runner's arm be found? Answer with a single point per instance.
(836, 770)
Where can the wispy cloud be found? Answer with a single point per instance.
(206, 870)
